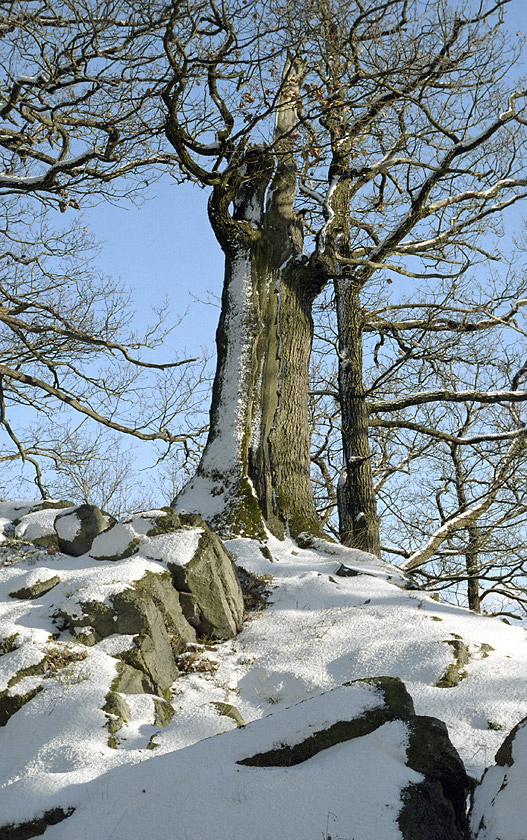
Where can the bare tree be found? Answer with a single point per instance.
(67, 348)
(340, 141)
(443, 391)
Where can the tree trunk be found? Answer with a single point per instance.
(255, 469)
(473, 544)
(472, 566)
(358, 521)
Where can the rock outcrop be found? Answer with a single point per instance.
(160, 581)
(432, 809)
(77, 528)
(499, 807)
(149, 613)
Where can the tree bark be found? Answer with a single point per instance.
(358, 520)
(255, 469)
(473, 543)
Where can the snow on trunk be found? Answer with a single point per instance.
(215, 486)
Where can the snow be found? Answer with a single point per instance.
(41, 523)
(175, 549)
(496, 812)
(221, 456)
(329, 212)
(113, 541)
(12, 510)
(285, 673)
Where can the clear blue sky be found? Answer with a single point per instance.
(164, 247)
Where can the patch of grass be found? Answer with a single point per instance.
(8, 644)
(58, 658)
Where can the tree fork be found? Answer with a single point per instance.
(255, 469)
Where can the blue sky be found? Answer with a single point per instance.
(165, 247)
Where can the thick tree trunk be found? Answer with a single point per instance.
(358, 521)
(255, 469)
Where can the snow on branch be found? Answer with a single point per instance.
(466, 517)
(444, 395)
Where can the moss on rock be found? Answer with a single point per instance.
(37, 589)
(165, 524)
(455, 671)
(35, 827)
(163, 712)
(117, 711)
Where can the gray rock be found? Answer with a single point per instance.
(190, 608)
(499, 807)
(163, 712)
(46, 504)
(76, 529)
(130, 680)
(37, 589)
(36, 827)
(151, 613)
(117, 711)
(10, 700)
(11, 703)
(115, 543)
(211, 580)
(164, 524)
(435, 808)
(398, 705)
(230, 711)
(504, 755)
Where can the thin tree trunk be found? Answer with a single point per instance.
(472, 549)
(358, 520)
(472, 566)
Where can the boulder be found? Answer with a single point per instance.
(76, 529)
(434, 809)
(151, 614)
(117, 711)
(396, 704)
(36, 827)
(117, 542)
(16, 511)
(210, 591)
(36, 589)
(499, 807)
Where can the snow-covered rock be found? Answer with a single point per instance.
(84, 731)
(499, 809)
(77, 528)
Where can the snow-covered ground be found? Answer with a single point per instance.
(318, 631)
